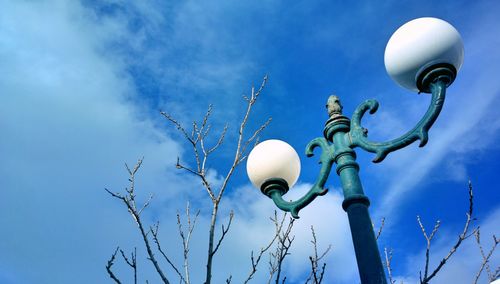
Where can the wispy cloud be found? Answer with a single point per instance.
(66, 130)
(253, 229)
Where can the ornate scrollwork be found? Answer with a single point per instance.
(326, 161)
(359, 137)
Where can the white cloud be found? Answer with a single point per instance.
(70, 117)
(67, 127)
(252, 229)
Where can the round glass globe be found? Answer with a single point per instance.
(496, 281)
(420, 44)
(273, 159)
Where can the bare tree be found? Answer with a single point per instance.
(316, 275)
(255, 260)
(130, 202)
(485, 264)
(466, 233)
(387, 263)
(427, 276)
(186, 238)
(197, 137)
(277, 258)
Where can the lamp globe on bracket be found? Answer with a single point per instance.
(273, 160)
(421, 47)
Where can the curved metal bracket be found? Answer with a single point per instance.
(358, 134)
(326, 161)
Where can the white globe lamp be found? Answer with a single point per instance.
(273, 159)
(420, 46)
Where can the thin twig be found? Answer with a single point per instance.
(284, 244)
(110, 263)
(254, 136)
(464, 235)
(273, 257)
(256, 261)
(154, 233)
(220, 141)
(224, 232)
(132, 262)
(486, 258)
(240, 148)
(379, 232)
(428, 239)
(179, 127)
(315, 259)
(130, 203)
(388, 260)
(186, 238)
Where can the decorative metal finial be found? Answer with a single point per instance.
(334, 106)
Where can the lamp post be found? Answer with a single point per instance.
(424, 56)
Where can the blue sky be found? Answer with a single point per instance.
(82, 83)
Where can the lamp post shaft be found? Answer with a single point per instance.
(355, 203)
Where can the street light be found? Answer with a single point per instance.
(423, 56)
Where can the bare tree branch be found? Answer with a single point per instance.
(180, 166)
(464, 235)
(179, 127)
(253, 138)
(255, 261)
(129, 201)
(224, 232)
(428, 239)
(186, 238)
(192, 139)
(486, 258)
(132, 262)
(146, 204)
(237, 159)
(220, 141)
(154, 233)
(273, 260)
(277, 258)
(240, 148)
(379, 232)
(315, 275)
(388, 260)
(110, 263)
(197, 139)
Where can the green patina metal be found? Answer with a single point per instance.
(276, 188)
(358, 135)
(341, 136)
